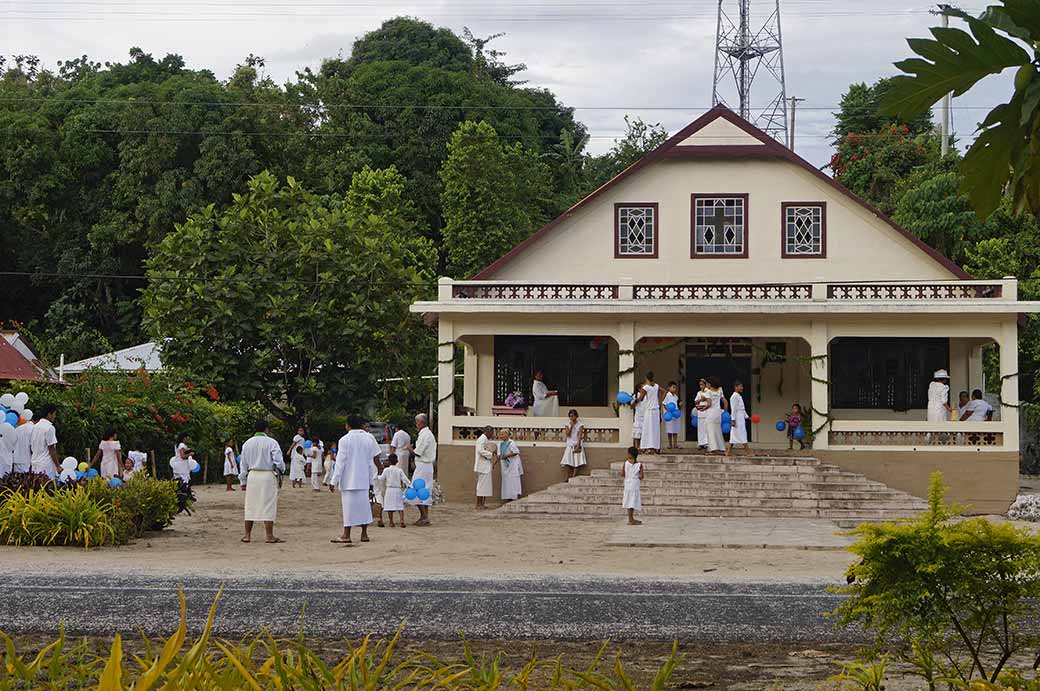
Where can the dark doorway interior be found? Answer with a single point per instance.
(728, 370)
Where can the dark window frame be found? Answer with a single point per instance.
(822, 254)
(694, 254)
(618, 254)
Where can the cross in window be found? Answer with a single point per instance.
(715, 225)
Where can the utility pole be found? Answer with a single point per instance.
(790, 128)
(743, 53)
(944, 141)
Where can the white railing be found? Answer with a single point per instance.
(547, 430)
(912, 434)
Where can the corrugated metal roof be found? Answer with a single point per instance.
(146, 355)
(13, 364)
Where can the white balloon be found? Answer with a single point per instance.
(17, 407)
(7, 400)
(26, 414)
(6, 428)
(22, 397)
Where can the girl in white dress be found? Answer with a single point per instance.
(574, 454)
(296, 466)
(638, 415)
(738, 417)
(701, 403)
(330, 466)
(111, 455)
(393, 497)
(230, 464)
(674, 426)
(509, 457)
(632, 471)
(317, 468)
(939, 397)
(713, 418)
(651, 440)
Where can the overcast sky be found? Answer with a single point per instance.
(651, 59)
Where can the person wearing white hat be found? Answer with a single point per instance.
(939, 397)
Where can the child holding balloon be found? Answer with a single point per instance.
(393, 497)
(672, 415)
(795, 433)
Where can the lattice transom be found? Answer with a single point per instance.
(803, 230)
(719, 226)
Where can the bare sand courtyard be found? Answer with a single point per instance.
(461, 542)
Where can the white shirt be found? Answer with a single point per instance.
(23, 447)
(736, 407)
(701, 396)
(181, 468)
(425, 447)
(482, 456)
(979, 410)
(574, 437)
(43, 436)
(355, 461)
(259, 452)
(400, 441)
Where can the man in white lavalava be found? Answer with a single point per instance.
(260, 460)
(356, 457)
(425, 453)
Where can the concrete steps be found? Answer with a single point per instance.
(727, 487)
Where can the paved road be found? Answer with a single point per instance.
(434, 608)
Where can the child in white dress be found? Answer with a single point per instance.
(393, 497)
(297, 474)
(317, 468)
(128, 470)
(330, 466)
(230, 464)
(632, 501)
(637, 420)
(738, 418)
(673, 426)
(701, 403)
(574, 454)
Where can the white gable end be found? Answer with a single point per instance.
(720, 133)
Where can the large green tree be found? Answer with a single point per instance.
(860, 112)
(494, 196)
(287, 298)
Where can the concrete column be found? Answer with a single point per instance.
(626, 339)
(470, 376)
(1009, 386)
(819, 369)
(445, 379)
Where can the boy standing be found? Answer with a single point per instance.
(738, 418)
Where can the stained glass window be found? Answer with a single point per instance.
(636, 227)
(720, 226)
(803, 230)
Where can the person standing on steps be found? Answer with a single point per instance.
(650, 392)
(261, 462)
(574, 453)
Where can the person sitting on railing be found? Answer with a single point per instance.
(978, 410)
(546, 401)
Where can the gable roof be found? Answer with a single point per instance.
(146, 355)
(14, 366)
(758, 145)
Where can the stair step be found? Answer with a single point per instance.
(603, 510)
(742, 502)
(604, 491)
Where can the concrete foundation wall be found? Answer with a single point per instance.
(985, 483)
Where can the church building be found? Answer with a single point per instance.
(724, 253)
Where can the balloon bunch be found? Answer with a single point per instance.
(671, 412)
(624, 398)
(727, 422)
(798, 433)
(418, 490)
(13, 412)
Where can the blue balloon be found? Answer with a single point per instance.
(673, 408)
(196, 468)
(424, 494)
(410, 494)
(693, 418)
(798, 433)
(238, 458)
(115, 482)
(418, 483)
(308, 444)
(726, 417)
(781, 426)
(80, 475)
(624, 397)
(12, 418)
(91, 473)
(727, 427)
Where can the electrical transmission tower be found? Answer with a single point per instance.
(745, 55)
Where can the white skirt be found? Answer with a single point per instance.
(230, 468)
(424, 471)
(673, 426)
(109, 468)
(637, 424)
(632, 499)
(261, 495)
(296, 471)
(572, 458)
(356, 508)
(393, 499)
(716, 442)
(702, 431)
(485, 485)
(738, 431)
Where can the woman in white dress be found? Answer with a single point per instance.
(317, 466)
(939, 397)
(111, 455)
(650, 442)
(713, 418)
(574, 454)
(509, 457)
(674, 426)
(701, 403)
(546, 402)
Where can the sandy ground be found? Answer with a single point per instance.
(461, 542)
